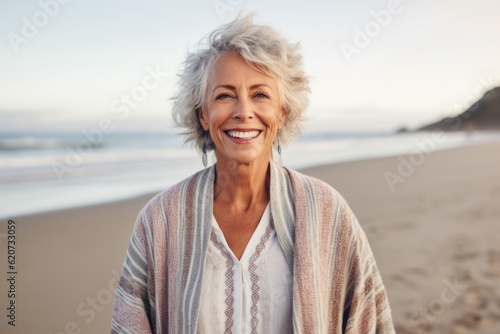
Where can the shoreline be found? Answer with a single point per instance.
(438, 230)
(138, 196)
(85, 185)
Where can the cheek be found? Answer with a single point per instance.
(216, 119)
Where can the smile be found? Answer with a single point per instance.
(243, 134)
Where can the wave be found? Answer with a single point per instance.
(37, 143)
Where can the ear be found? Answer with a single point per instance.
(284, 114)
(203, 119)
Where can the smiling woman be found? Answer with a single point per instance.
(247, 245)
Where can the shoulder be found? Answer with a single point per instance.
(172, 198)
(323, 201)
(314, 186)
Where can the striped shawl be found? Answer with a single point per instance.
(337, 287)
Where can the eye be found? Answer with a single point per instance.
(261, 95)
(222, 96)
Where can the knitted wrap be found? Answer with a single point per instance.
(336, 289)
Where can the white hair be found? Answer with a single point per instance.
(265, 50)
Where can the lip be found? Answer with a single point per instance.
(242, 140)
(242, 129)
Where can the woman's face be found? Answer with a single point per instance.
(243, 111)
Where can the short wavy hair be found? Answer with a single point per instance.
(265, 50)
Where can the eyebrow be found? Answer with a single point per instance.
(231, 87)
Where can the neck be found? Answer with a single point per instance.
(242, 186)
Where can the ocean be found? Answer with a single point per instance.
(44, 171)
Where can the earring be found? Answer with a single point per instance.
(204, 155)
(279, 151)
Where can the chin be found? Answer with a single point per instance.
(246, 158)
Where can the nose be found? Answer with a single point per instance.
(243, 109)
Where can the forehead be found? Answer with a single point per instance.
(232, 69)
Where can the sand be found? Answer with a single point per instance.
(435, 235)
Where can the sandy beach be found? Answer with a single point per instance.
(433, 222)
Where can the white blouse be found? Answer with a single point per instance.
(250, 295)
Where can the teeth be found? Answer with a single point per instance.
(243, 135)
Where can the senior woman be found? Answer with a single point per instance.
(247, 245)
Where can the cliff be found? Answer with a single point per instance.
(482, 115)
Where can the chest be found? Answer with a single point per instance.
(252, 294)
(237, 228)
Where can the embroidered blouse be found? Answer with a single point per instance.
(251, 295)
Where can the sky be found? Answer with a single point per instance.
(374, 65)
